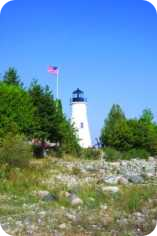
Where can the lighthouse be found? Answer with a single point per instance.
(79, 118)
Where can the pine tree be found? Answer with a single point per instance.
(11, 77)
(115, 132)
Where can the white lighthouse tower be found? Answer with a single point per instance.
(79, 118)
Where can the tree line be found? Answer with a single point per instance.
(124, 134)
(34, 113)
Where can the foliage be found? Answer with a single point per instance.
(15, 151)
(51, 122)
(144, 132)
(132, 199)
(112, 154)
(11, 77)
(91, 153)
(135, 153)
(115, 132)
(126, 134)
(16, 110)
(45, 111)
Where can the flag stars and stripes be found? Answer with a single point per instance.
(53, 70)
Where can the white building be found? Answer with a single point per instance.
(79, 118)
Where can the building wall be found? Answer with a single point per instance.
(80, 120)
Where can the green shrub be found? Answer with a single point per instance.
(38, 151)
(91, 153)
(136, 153)
(112, 154)
(133, 198)
(15, 151)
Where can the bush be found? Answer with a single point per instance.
(136, 153)
(15, 151)
(91, 153)
(112, 154)
(16, 110)
(38, 151)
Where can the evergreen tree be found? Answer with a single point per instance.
(123, 134)
(16, 110)
(115, 132)
(11, 77)
(50, 119)
(44, 103)
(148, 132)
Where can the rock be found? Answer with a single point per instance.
(114, 233)
(104, 207)
(150, 159)
(75, 201)
(50, 197)
(46, 196)
(136, 179)
(149, 175)
(122, 180)
(69, 180)
(122, 221)
(62, 226)
(115, 180)
(91, 168)
(154, 223)
(111, 179)
(111, 189)
(42, 194)
(55, 233)
(138, 214)
(71, 217)
(67, 194)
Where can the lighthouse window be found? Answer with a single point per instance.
(82, 125)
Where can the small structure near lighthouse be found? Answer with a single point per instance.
(79, 118)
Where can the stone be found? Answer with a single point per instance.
(136, 179)
(71, 217)
(55, 233)
(104, 207)
(42, 194)
(67, 194)
(150, 159)
(122, 180)
(75, 201)
(50, 197)
(90, 168)
(122, 221)
(154, 223)
(111, 189)
(111, 179)
(46, 196)
(115, 179)
(149, 175)
(62, 226)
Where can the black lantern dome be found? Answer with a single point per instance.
(78, 96)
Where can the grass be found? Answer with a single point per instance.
(17, 198)
(92, 196)
(132, 199)
(112, 154)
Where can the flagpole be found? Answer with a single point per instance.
(57, 85)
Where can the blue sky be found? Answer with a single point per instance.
(106, 48)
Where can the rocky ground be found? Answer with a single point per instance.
(80, 197)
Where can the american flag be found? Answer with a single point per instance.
(53, 70)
